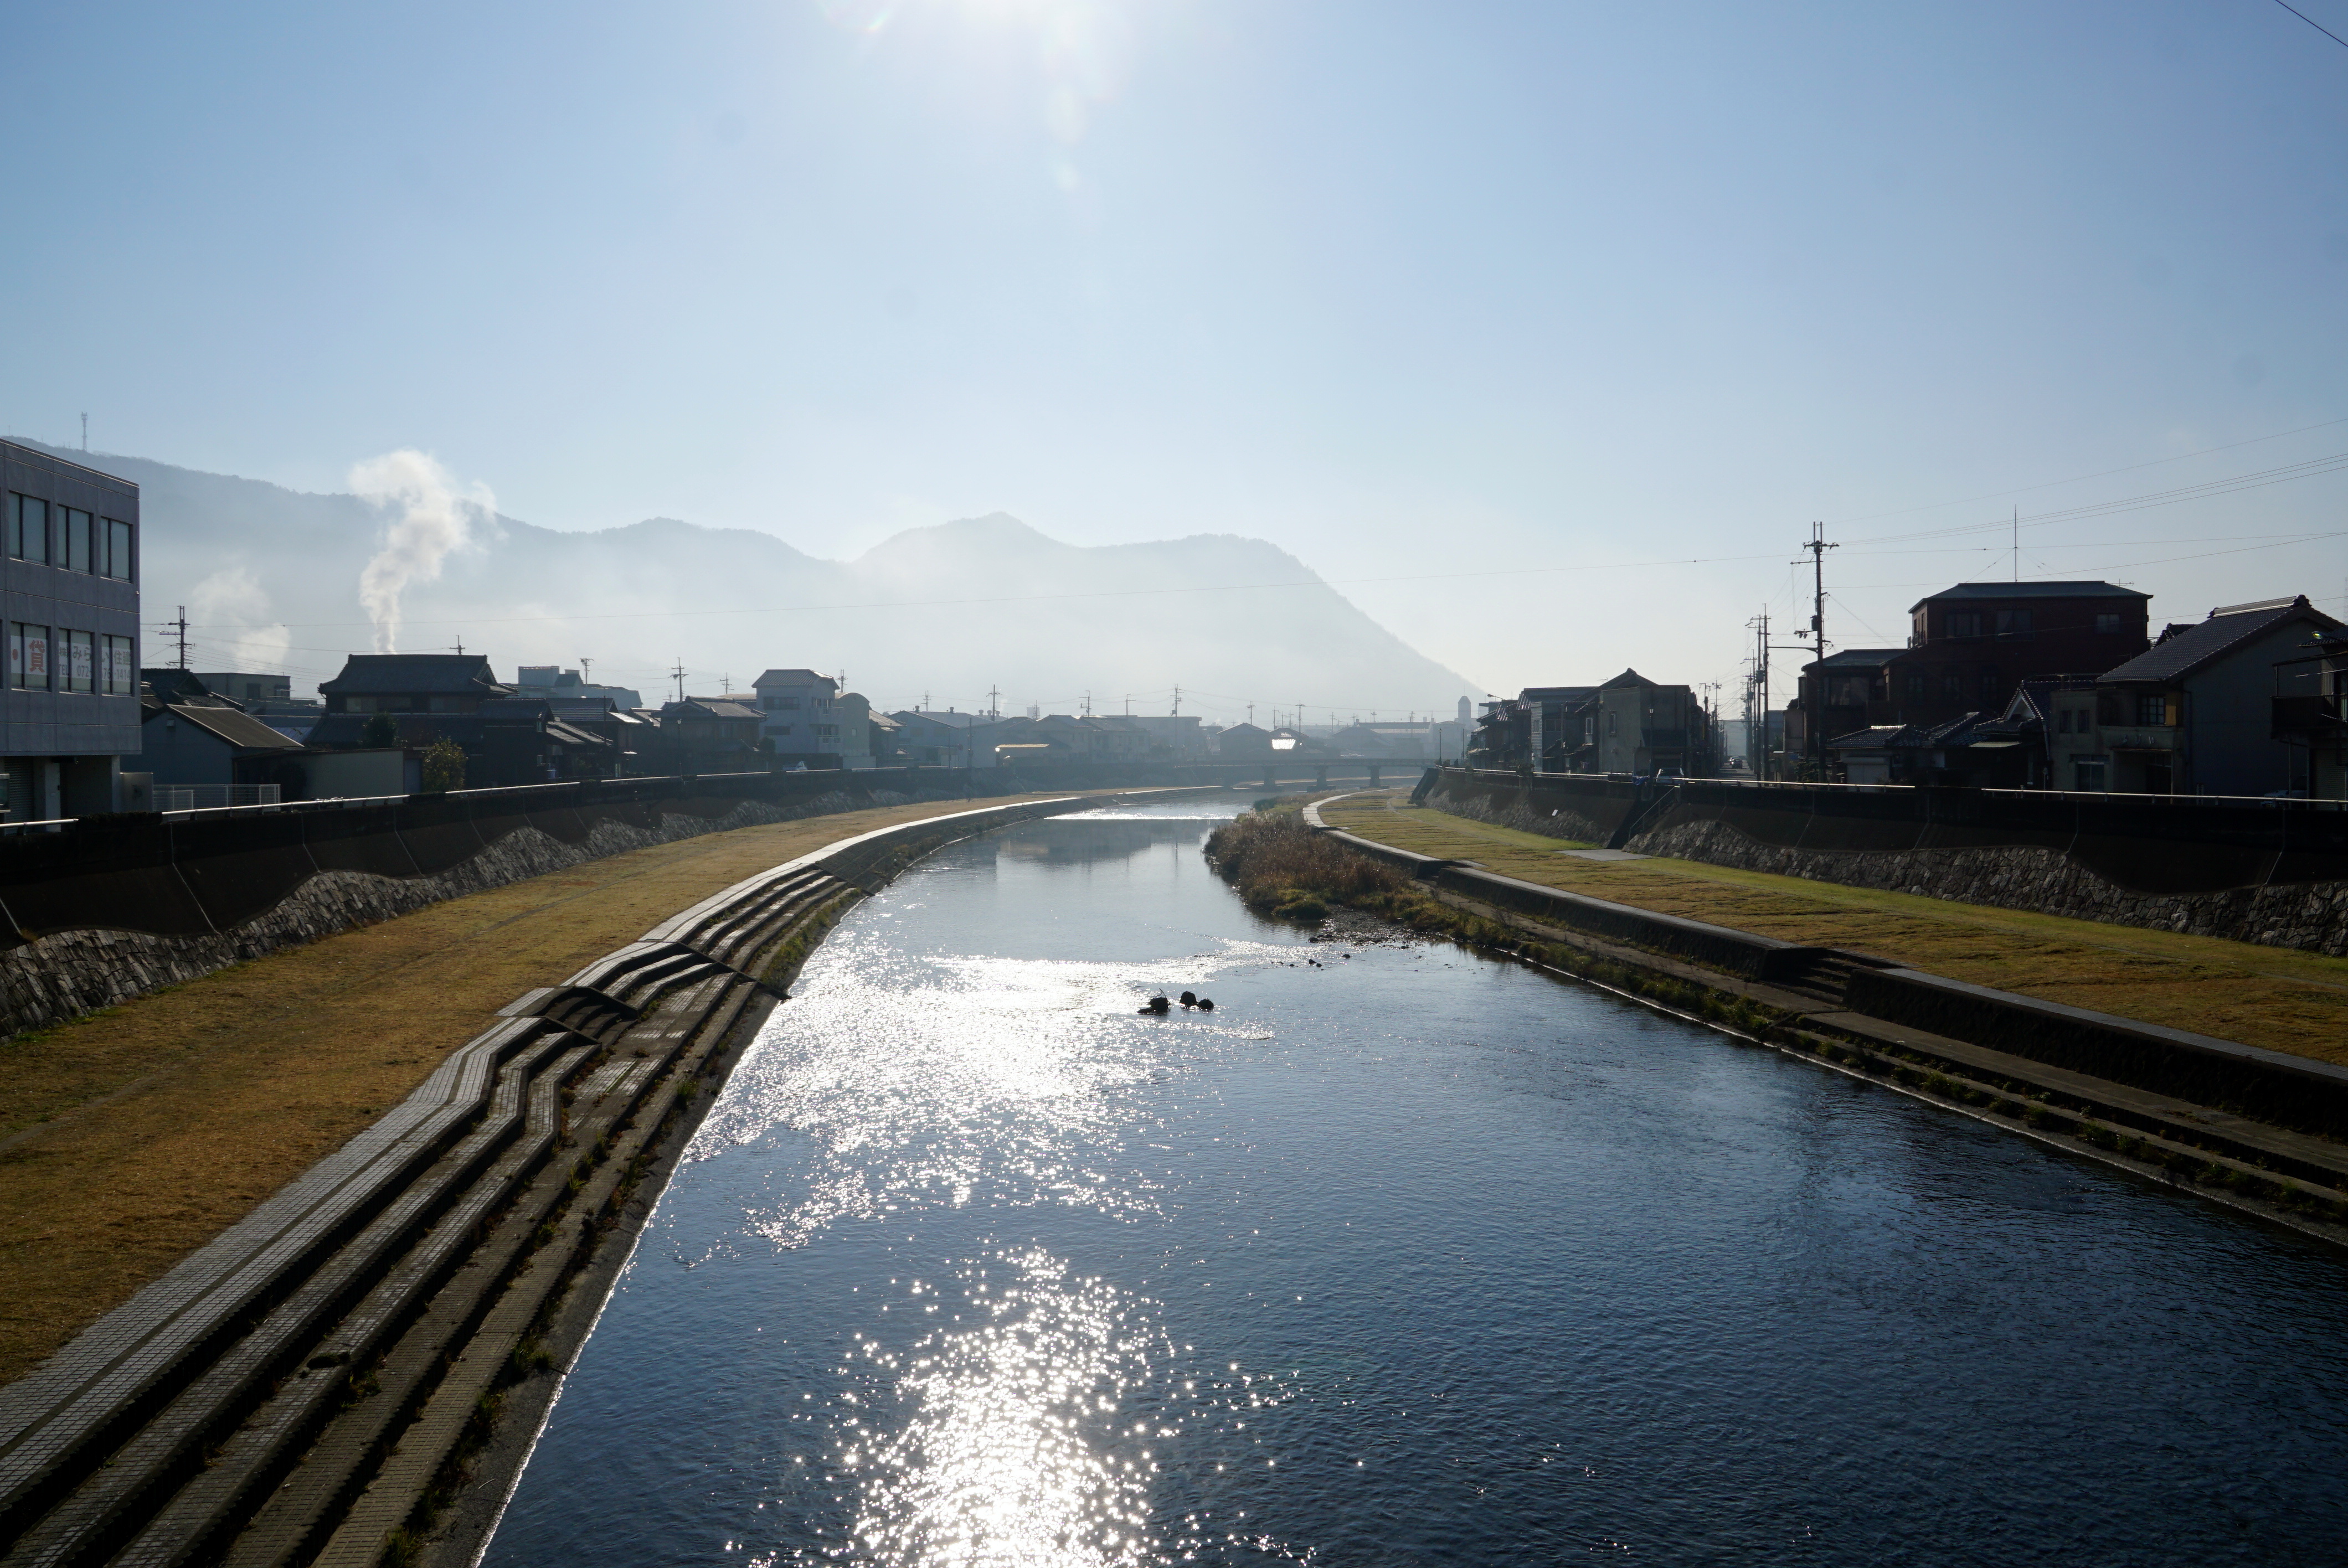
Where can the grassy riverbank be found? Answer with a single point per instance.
(134, 1136)
(2277, 997)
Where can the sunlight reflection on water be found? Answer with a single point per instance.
(959, 1078)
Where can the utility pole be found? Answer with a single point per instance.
(2017, 542)
(1176, 708)
(1815, 714)
(1756, 700)
(994, 701)
(586, 670)
(677, 675)
(85, 430)
(1089, 703)
(181, 626)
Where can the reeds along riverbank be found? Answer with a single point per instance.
(1280, 868)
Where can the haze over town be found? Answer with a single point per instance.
(1541, 332)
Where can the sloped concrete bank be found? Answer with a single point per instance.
(2254, 1129)
(318, 1383)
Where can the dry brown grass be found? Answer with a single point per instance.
(131, 1137)
(2277, 997)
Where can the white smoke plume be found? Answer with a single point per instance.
(233, 609)
(433, 520)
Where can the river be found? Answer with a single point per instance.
(1398, 1256)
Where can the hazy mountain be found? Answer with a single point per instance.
(269, 577)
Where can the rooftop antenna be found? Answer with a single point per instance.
(460, 646)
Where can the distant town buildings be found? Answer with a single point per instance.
(799, 719)
(1628, 724)
(558, 685)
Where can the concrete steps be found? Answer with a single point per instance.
(241, 1412)
(289, 1393)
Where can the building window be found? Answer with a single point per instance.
(117, 550)
(1953, 685)
(1916, 683)
(28, 657)
(28, 529)
(1611, 727)
(2013, 623)
(2151, 708)
(2107, 625)
(80, 661)
(1989, 685)
(122, 667)
(1964, 623)
(2087, 773)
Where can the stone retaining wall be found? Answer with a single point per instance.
(62, 976)
(1561, 822)
(2311, 916)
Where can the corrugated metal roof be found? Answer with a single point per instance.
(239, 729)
(713, 707)
(2181, 653)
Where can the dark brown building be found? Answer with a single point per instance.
(1969, 649)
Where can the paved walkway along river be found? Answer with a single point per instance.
(1398, 1256)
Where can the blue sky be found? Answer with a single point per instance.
(1439, 297)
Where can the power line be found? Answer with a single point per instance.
(2081, 478)
(2313, 23)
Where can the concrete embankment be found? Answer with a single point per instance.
(2259, 1129)
(317, 1382)
(2269, 872)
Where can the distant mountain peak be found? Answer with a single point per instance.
(996, 531)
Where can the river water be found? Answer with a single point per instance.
(1398, 1256)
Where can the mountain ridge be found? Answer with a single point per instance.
(949, 610)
